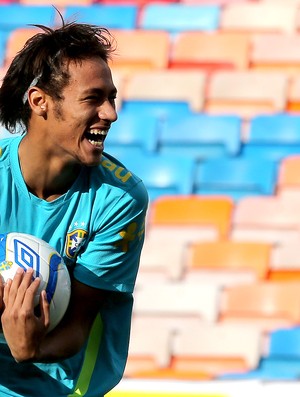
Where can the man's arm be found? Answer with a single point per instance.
(26, 334)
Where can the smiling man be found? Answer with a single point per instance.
(58, 184)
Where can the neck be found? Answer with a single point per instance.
(46, 178)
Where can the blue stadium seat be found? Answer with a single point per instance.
(273, 136)
(133, 130)
(14, 16)
(201, 136)
(162, 175)
(106, 15)
(238, 177)
(175, 18)
(161, 109)
(282, 362)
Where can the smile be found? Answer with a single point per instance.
(96, 136)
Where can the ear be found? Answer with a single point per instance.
(37, 100)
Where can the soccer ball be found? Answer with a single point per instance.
(24, 250)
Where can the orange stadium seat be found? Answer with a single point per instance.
(246, 93)
(289, 173)
(213, 212)
(277, 51)
(215, 349)
(140, 49)
(16, 40)
(267, 304)
(167, 85)
(210, 51)
(259, 17)
(228, 262)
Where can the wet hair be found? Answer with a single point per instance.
(43, 62)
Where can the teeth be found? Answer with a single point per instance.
(95, 143)
(96, 131)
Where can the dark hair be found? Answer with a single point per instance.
(43, 61)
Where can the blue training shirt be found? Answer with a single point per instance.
(98, 228)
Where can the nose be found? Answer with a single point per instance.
(107, 111)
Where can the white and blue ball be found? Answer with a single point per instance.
(25, 251)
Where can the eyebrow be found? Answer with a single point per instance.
(99, 91)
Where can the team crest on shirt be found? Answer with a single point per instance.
(75, 241)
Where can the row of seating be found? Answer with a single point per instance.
(176, 16)
(203, 351)
(177, 172)
(225, 306)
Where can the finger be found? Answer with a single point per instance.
(6, 292)
(26, 298)
(45, 309)
(20, 285)
(1, 294)
(13, 286)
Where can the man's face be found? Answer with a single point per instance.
(78, 124)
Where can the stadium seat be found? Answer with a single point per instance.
(277, 51)
(267, 305)
(193, 300)
(266, 218)
(150, 360)
(237, 177)
(175, 86)
(140, 50)
(218, 2)
(161, 174)
(285, 262)
(175, 18)
(16, 40)
(201, 136)
(210, 51)
(246, 93)
(149, 348)
(273, 137)
(228, 262)
(293, 96)
(161, 260)
(213, 213)
(217, 348)
(259, 17)
(13, 16)
(57, 3)
(280, 363)
(110, 16)
(133, 131)
(289, 173)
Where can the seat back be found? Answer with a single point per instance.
(247, 93)
(112, 16)
(230, 256)
(213, 51)
(201, 136)
(167, 85)
(175, 18)
(193, 210)
(237, 177)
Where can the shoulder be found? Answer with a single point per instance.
(5, 145)
(116, 177)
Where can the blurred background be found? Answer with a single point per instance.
(208, 102)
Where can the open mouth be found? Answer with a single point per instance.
(96, 136)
